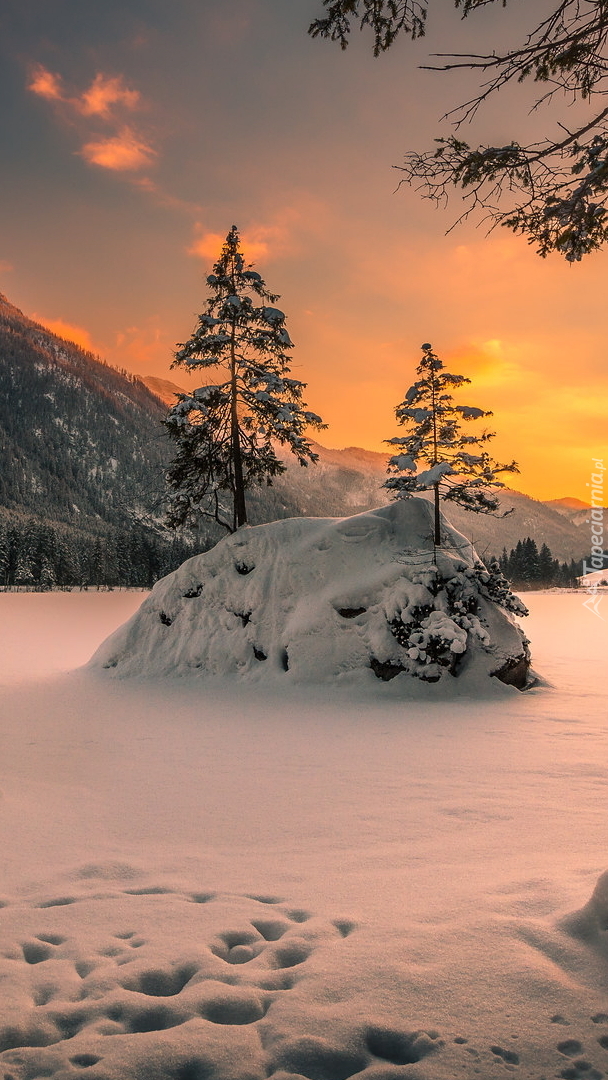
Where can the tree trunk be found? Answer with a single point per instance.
(437, 536)
(240, 509)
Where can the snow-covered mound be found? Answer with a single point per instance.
(591, 922)
(320, 599)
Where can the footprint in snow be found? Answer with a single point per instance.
(132, 981)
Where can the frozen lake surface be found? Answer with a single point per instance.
(202, 879)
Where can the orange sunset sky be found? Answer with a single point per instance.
(135, 133)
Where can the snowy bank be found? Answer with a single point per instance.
(326, 599)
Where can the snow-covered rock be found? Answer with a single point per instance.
(325, 599)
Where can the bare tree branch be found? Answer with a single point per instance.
(555, 191)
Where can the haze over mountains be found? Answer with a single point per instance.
(82, 445)
(574, 510)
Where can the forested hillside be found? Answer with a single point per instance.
(81, 442)
(83, 456)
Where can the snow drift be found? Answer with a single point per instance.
(325, 599)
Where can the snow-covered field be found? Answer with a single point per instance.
(208, 880)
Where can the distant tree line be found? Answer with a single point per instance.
(34, 554)
(525, 567)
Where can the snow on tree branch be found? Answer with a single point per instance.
(225, 433)
(435, 440)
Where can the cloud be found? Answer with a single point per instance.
(45, 84)
(103, 93)
(495, 364)
(100, 99)
(284, 234)
(123, 152)
(67, 330)
(147, 348)
(105, 101)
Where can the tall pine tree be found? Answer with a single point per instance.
(458, 467)
(225, 431)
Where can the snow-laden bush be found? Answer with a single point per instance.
(436, 618)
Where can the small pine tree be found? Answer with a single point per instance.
(24, 571)
(98, 563)
(503, 562)
(67, 566)
(575, 569)
(4, 555)
(225, 432)
(517, 565)
(546, 567)
(459, 467)
(531, 562)
(495, 586)
(47, 574)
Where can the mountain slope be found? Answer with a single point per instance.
(81, 441)
(163, 389)
(567, 506)
(575, 511)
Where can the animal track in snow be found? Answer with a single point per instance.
(161, 983)
(570, 1047)
(175, 985)
(36, 952)
(313, 1056)
(370, 1052)
(84, 1061)
(581, 1070)
(509, 1056)
(58, 901)
(398, 1047)
(579, 1067)
(271, 930)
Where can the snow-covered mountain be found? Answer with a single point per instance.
(574, 510)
